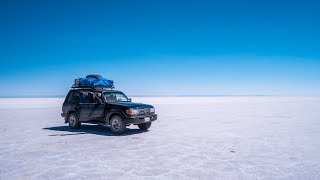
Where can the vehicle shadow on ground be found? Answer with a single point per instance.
(90, 129)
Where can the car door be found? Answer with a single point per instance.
(84, 105)
(90, 109)
(97, 108)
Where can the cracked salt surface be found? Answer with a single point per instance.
(194, 138)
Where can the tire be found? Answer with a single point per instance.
(144, 126)
(73, 121)
(117, 125)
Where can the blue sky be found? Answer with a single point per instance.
(161, 47)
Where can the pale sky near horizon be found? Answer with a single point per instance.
(161, 47)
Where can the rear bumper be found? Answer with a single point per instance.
(140, 120)
(64, 115)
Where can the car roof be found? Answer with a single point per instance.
(111, 91)
(97, 90)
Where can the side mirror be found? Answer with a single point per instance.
(130, 99)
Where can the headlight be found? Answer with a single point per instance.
(132, 111)
(152, 110)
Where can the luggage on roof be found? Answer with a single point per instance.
(94, 76)
(92, 81)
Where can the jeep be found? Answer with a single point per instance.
(110, 108)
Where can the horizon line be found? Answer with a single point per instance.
(191, 95)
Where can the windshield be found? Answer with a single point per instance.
(113, 97)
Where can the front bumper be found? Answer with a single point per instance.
(140, 120)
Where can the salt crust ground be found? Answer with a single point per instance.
(194, 138)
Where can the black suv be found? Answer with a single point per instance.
(105, 107)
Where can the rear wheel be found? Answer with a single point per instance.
(117, 125)
(144, 126)
(73, 120)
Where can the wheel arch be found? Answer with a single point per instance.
(112, 114)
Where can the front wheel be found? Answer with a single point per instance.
(144, 126)
(117, 125)
(73, 120)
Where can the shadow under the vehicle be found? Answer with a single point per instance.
(91, 129)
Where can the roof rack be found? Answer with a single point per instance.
(93, 87)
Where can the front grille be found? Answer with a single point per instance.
(145, 111)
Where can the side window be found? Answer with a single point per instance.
(72, 97)
(110, 97)
(121, 97)
(86, 97)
